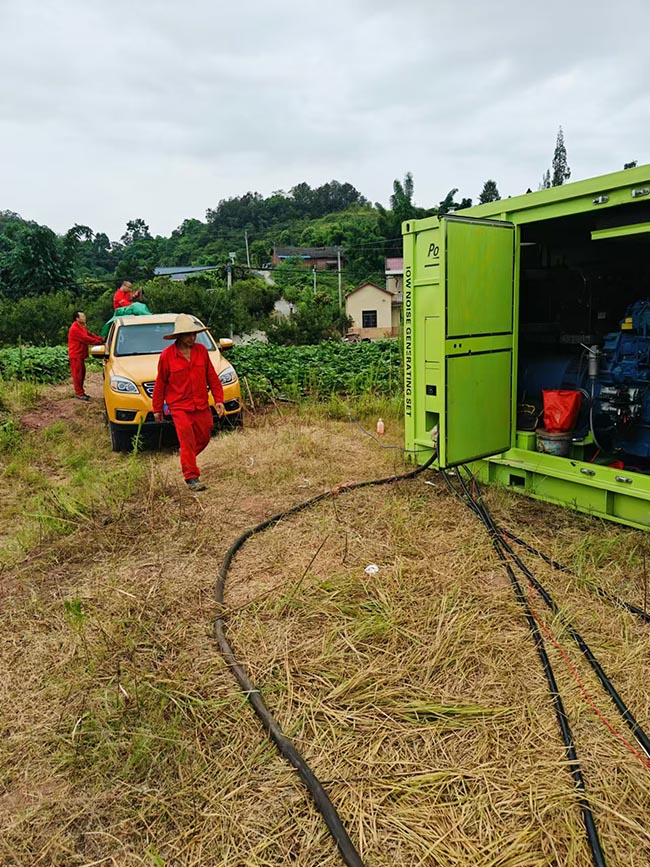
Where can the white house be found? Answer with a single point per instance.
(374, 311)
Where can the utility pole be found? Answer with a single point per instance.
(313, 270)
(248, 255)
(231, 261)
(338, 256)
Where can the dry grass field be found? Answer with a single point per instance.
(415, 693)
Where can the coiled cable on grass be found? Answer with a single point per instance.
(286, 747)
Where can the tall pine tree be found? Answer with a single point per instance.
(560, 166)
(489, 193)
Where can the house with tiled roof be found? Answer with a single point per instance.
(320, 258)
(375, 312)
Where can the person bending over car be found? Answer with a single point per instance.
(79, 339)
(185, 373)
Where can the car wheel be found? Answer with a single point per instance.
(120, 437)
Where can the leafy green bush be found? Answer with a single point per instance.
(315, 319)
(98, 310)
(42, 320)
(202, 296)
(248, 305)
(35, 363)
(322, 370)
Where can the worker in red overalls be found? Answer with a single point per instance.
(79, 339)
(126, 295)
(185, 373)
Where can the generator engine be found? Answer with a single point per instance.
(614, 378)
(619, 381)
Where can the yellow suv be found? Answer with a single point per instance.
(130, 356)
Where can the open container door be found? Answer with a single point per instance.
(459, 304)
(478, 346)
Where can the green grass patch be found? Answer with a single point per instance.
(57, 478)
(10, 437)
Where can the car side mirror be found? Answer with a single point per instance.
(99, 351)
(225, 343)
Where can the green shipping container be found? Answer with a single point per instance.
(505, 300)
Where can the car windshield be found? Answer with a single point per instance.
(147, 339)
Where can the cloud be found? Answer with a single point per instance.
(113, 110)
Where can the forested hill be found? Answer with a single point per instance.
(34, 260)
(44, 277)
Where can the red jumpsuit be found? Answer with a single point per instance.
(183, 386)
(122, 298)
(79, 339)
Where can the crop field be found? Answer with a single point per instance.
(290, 371)
(413, 689)
(34, 363)
(322, 370)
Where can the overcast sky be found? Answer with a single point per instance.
(157, 109)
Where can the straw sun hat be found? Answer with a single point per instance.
(184, 324)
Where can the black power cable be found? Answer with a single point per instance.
(606, 683)
(323, 803)
(560, 567)
(562, 719)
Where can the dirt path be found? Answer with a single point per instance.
(414, 692)
(58, 403)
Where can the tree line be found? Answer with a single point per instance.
(45, 276)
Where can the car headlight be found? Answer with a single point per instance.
(122, 385)
(228, 376)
